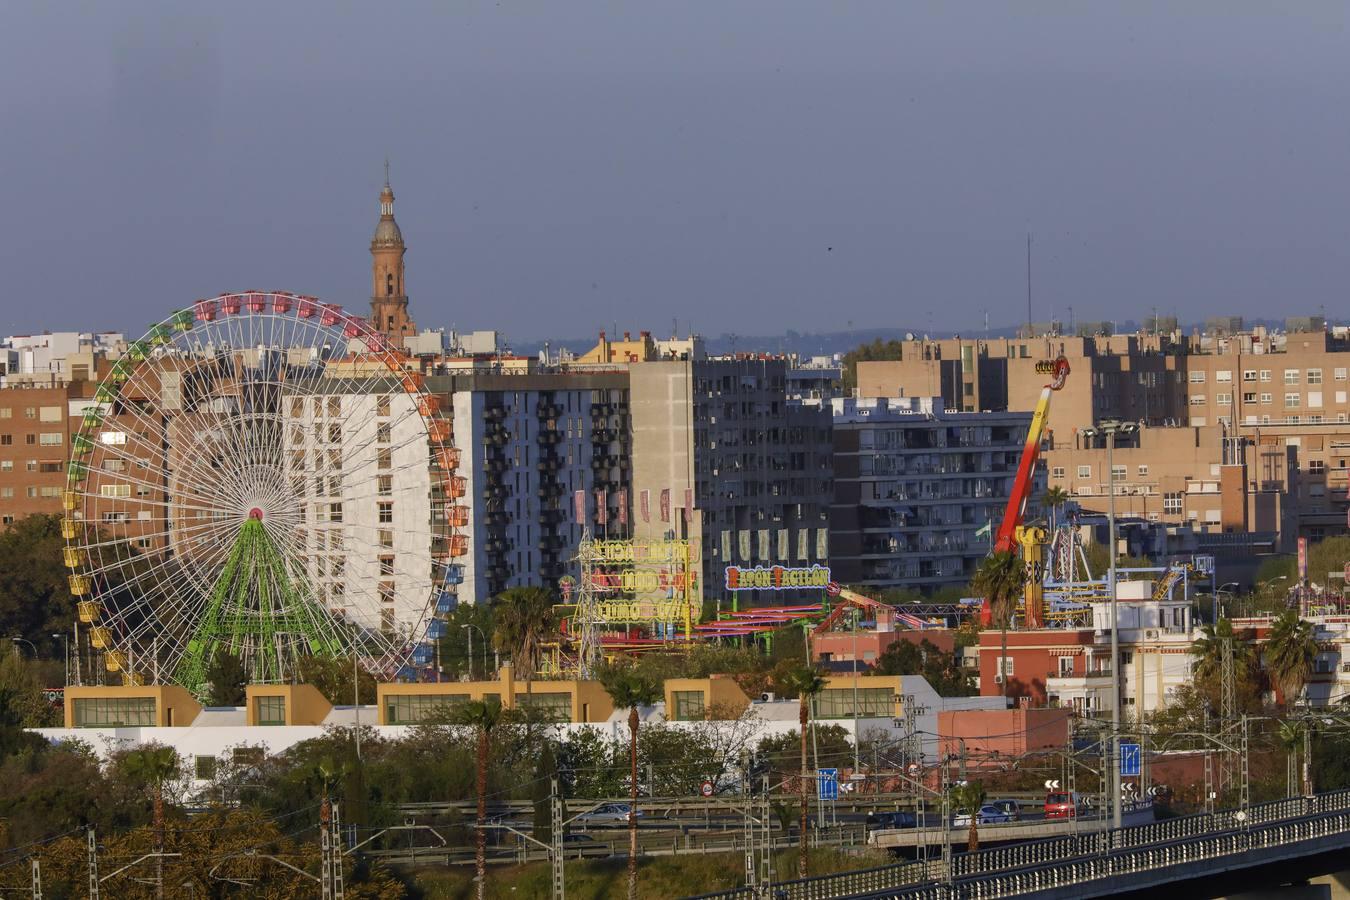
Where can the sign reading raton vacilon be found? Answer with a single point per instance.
(776, 578)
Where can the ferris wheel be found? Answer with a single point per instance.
(261, 474)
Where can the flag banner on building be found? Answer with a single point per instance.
(726, 545)
(665, 504)
(623, 506)
(745, 544)
(784, 551)
(601, 507)
(763, 544)
(579, 506)
(822, 543)
(985, 530)
(803, 544)
(645, 500)
(688, 505)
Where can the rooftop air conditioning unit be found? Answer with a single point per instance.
(1151, 634)
(768, 697)
(998, 679)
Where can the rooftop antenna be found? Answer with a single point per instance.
(386, 171)
(1029, 331)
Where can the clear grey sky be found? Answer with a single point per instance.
(747, 166)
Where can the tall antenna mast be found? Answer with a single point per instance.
(1029, 331)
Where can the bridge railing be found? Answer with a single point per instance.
(1088, 848)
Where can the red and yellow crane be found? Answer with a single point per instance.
(1011, 532)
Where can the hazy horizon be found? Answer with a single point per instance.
(750, 167)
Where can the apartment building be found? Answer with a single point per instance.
(36, 427)
(747, 472)
(530, 442)
(919, 489)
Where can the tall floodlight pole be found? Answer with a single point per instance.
(1111, 428)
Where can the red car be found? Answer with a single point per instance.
(1063, 805)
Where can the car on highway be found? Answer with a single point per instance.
(607, 814)
(987, 815)
(891, 819)
(1064, 805)
(1010, 807)
(583, 846)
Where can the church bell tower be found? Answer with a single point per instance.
(388, 295)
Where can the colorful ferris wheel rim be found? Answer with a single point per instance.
(260, 474)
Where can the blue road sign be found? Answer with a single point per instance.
(827, 781)
(1129, 760)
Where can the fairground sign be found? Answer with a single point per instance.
(638, 581)
(776, 578)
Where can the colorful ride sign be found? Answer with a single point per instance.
(777, 578)
(639, 581)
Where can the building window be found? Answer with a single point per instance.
(386, 565)
(407, 709)
(204, 767)
(1085, 471)
(1198, 399)
(837, 703)
(1291, 376)
(1118, 473)
(1316, 467)
(1248, 374)
(1198, 377)
(269, 710)
(6, 440)
(1143, 471)
(1057, 472)
(1314, 376)
(383, 433)
(1338, 374)
(386, 538)
(1267, 398)
(1223, 376)
(1265, 375)
(1249, 396)
(688, 706)
(1293, 399)
(555, 706)
(386, 513)
(103, 712)
(382, 406)
(1172, 504)
(1224, 399)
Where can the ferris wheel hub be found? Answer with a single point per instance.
(255, 513)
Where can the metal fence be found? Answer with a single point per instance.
(1074, 858)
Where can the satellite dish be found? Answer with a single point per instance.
(909, 335)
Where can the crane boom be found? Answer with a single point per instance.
(1006, 538)
(1011, 535)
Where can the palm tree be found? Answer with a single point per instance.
(1055, 497)
(630, 689)
(483, 716)
(1289, 654)
(524, 619)
(806, 683)
(970, 796)
(1290, 736)
(1000, 578)
(154, 766)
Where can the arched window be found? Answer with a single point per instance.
(389, 284)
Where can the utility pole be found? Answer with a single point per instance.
(93, 863)
(336, 843)
(1110, 428)
(556, 820)
(1228, 712)
(37, 879)
(325, 848)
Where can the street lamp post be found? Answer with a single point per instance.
(65, 643)
(1111, 428)
(1218, 598)
(470, 629)
(18, 640)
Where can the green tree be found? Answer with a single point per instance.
(807, 684)
(877, 350)
(542, 793)
(970, 796)
(524, 619)
(1000, 578)
(482, 716)
(154, 766)
(35, 600)
(21, 684)
(1207, 652)
(226, 679)
(1289, 653)
(629, 690)
(332, 675)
